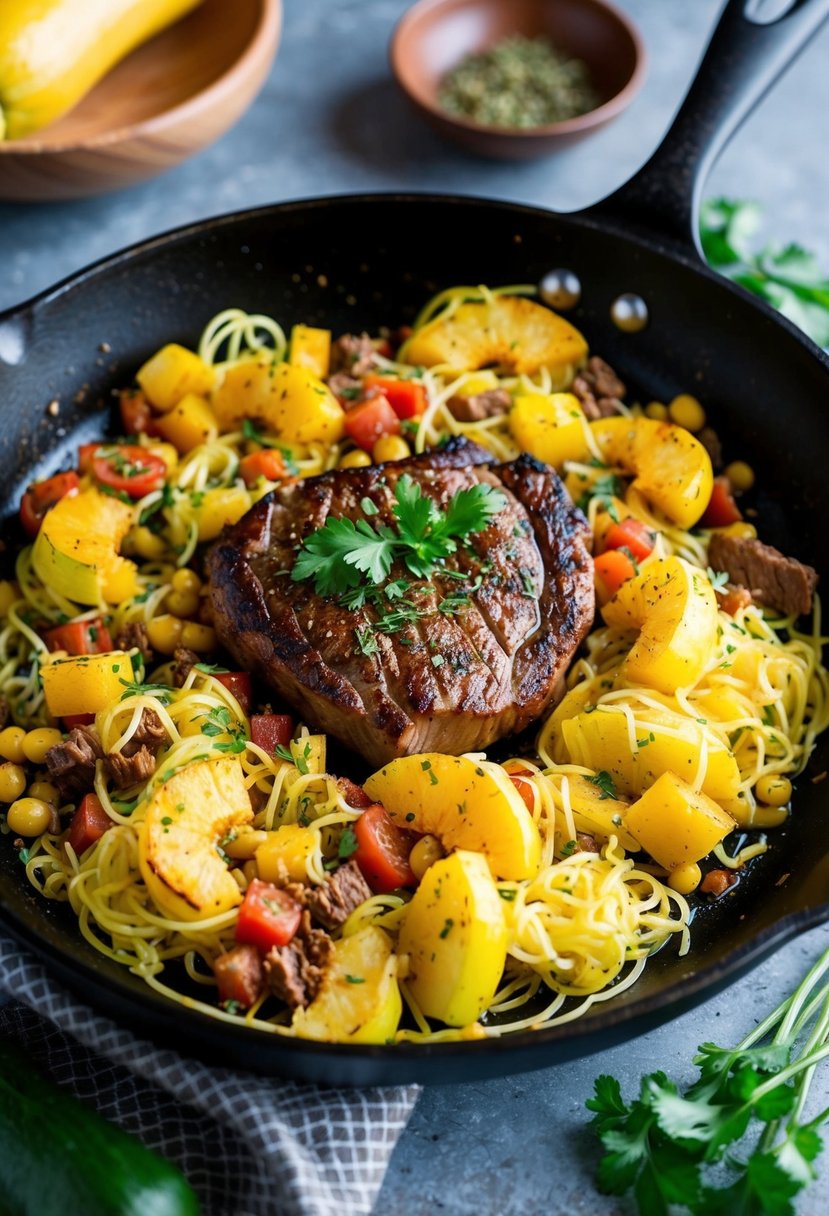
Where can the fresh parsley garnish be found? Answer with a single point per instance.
(344, 555)
(604, 781)
(348, 844)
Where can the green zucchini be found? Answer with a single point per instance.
(58, 1157)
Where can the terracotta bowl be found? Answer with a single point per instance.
(168, 99)
(435, 35)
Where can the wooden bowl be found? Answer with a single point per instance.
(168, 99)
(435, 35)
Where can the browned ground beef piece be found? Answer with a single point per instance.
(184, 661)
(586, 843)
(149, 733)
(239, 975)
(134, 635)
(710, 440)
(779, 582)
(355, 353)
(294, 972)
(334, 901)
(717, 882)
(480, 405)
(599, 389)
(129, 770)
(346, 388)
(71, 764)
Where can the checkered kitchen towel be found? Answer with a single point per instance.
(249, 1145)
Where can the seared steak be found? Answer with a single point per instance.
(781, 583)
(452, 681)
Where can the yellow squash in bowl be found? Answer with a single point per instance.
(52, 52)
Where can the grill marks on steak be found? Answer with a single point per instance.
(501, 658)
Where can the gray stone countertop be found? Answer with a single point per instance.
(329, 121)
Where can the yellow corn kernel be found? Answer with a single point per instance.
(657, 410)
(186, 580)
(200, 638)
(425, 853)
(172, 373)
(356, 459)
(189, 423)
(686, 411)
(29, 816)
(740, 474)
(11, 744)
(141, 542)
(685, 879)
(12, 781)
(37, 743)
(46, 792)
(390, 447)
(9, 594)
(182, 603)
(773, 789)
(165, 632)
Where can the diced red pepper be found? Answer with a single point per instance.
(137, 416)
(383, 850)
(524, 787)
(369, 420)
(239, 684)
(267, 463)
(406, 397)
(633, 535)
(722, 510)
(268, 916)
(80, 637)
(41, 496)
(239, 976)
(354, 795)
(71, 721)
(124, 467)
(270, 731)
(88, 824)
(613, 567)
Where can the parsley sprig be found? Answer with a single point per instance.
(348, 556)
(733, 1141)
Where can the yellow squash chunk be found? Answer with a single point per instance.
(675, 824)
(86, 683)
(178, 842)
(455, 936)
(76, 550)
(509, 332)
(586, 692)
(218, 508)
(671, 468)
(311, 348)
(286, 851)
(595, 812)
(290, 402)
(467, 804)
(52, 52)
(173, 373)
(189, 423)
(673, 606)
(550, 426)
(359, 1000)
(667, 743)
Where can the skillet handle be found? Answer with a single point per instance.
(743, 60)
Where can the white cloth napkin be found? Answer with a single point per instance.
(249, 1145)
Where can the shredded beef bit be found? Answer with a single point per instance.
(333, 902)
(129, 770)
(480, 405)
(294, 973)
(184, 661)
(134, 636)
(71, 764)
(355, 353)
(346, 388)
(149, 733)
(782, 583)
(599, 389)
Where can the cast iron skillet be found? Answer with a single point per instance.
(357, 262)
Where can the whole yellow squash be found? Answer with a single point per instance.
(52, 52)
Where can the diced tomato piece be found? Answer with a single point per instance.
(383, 850)
(270, 731)
(267, 463)
(268, 916)
(613, 568)
(80, 637)
(124, 467)
(633, 535)
(71, 721)
(722, 510)
(406, 397)
(239, 684)
(524, 787)
(137, 417)
(41, 496)
(369, 420)
(239, 976)
(88, 824)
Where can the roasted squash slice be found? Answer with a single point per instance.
(76, 550)
(290, 402)
(510, 332)
(178, 842)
